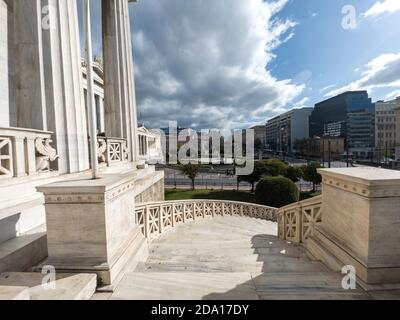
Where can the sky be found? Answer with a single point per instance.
(230, 64)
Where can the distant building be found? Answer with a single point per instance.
(322, 148)
(397, 153)
(260, 134)
(385, 127)
(150, 147)
(350, 115)
(284, 130)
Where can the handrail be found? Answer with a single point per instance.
(112, 150)
(154, 218)
(297, 221)
(25, 152)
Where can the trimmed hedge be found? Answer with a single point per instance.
(276, 192)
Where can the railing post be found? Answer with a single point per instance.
(19, 156)
(146, 222)
(30, 154)
(160, 219)
(173, 215)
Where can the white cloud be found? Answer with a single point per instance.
(324, 89)
(205, 62)
(381, 72)
(386, 6)
(393, 95)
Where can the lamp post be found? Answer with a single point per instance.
(90, 90)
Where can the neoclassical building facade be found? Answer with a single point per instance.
(150, 146)
(44, 124)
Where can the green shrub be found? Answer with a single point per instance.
(276, 192)
(294, 173)
(275, 167)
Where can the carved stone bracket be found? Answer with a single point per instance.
(45, 154)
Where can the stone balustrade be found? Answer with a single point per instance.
(25, 152)
(155, 218)
(112, 150)
(297, 221)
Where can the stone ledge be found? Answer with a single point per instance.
(364, 181)
(67, 286)
(14, 293)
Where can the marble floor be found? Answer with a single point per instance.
(233, 258)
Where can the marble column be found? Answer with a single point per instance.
(101, 104)
(29, 66)
(66, 114)
(119, 86)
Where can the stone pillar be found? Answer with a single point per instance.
(91, 227)
(119, 86)
(29, 66)
(361, 221)
(66, 115)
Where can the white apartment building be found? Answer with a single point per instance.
(284, 130)
(385, 127)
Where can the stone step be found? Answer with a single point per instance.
(14, 293)
(65, 287)
(224, 265)
(267, 281)
(318, 252)
(301, 294)
(304, 286)
(185, 286)
(21, 253)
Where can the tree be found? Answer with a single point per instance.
(294, 173)
(310, 174)
(275, 168)
(191, 171)
(258, 172)
(276, 192)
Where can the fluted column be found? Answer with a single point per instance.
(66, 115)
(119, 86)
(28, 57)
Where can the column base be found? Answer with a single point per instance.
(109, 275)
(325, 248)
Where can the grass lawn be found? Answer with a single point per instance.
(230, 195)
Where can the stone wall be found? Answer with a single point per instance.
(153, 194)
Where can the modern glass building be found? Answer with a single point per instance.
(355, 113)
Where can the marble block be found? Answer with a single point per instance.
(91, 226)
(361, 221)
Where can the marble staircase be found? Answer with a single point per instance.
(230, 258)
